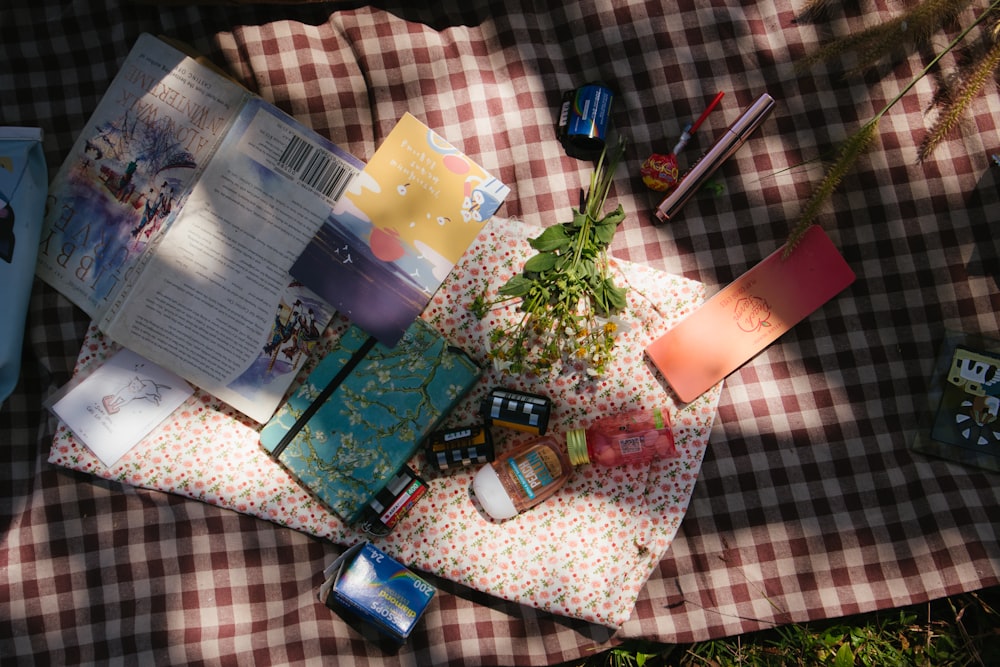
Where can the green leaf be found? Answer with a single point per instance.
(612, 298)
(844, 658)
(553, 238)
(604, 233)
(615, 217)
(543, 261)
(517, 286)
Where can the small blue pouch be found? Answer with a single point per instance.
(23, 188)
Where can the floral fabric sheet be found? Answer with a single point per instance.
(584, 553)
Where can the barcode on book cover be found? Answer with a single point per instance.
(317, 168)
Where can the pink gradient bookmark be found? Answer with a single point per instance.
(748, 315)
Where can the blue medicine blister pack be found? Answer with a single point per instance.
(23, 188)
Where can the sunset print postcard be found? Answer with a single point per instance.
(401, 226)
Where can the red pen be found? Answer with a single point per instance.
(723, 149)
(659, 172)
(690, 130)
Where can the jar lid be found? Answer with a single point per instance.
(576, 447)
(491, 494)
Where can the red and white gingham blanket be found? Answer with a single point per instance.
(809, 502)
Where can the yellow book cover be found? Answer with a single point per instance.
(401, 226)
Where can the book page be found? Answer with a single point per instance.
(215, 302)
(130, 169)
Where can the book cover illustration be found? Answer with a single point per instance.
(251, 325)
(965, 401)
(400, 228)
(130, 168)
(119, 404)
(364, 410)
(296, 332)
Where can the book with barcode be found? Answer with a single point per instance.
(177, 215)
(399, 229)
(364, 410)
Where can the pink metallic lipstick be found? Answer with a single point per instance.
(734, 137)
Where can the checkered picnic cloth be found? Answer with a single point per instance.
(809, 504)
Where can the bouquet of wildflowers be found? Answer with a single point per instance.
(568, 303)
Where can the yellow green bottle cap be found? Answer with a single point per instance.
(658, 418)
(576, 447)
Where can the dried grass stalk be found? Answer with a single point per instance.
(970, 85)
(854, 147)
(907, 30)
(861, 141)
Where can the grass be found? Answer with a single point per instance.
(959, 631)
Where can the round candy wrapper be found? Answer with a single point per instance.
(659, 172)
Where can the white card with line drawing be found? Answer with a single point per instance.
(120, 403)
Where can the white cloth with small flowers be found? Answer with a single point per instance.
(585, 553)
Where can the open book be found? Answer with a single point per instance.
(176, 217)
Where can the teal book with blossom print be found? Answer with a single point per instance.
(363, 412)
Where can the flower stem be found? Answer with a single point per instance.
(859, 142)
(935, 61)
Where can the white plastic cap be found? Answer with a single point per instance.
(491, 494)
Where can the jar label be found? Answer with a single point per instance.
(631, 445)
(535, 470)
